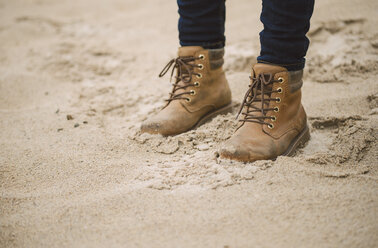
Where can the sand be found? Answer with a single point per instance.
(78, 77)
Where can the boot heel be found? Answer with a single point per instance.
(305, 138)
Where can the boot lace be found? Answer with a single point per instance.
(259, 91)
(184, 67)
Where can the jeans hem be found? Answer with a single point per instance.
(289, 67)
(206, 45)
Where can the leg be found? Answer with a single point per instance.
(200, 90)
(283, 40)
(273, 121)
(201, 23)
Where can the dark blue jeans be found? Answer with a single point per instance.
(283, 40)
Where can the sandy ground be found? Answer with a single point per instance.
(95, 181)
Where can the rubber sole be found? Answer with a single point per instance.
(224, 110)
(302, 138)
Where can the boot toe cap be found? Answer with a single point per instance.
(236, 153)
(242, 152)
(150, 127)
(161, 126)
(156, 127)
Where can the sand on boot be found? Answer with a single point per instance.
(77, 78)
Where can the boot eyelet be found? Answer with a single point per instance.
(192, 92)
(278, 99)
(271, 126)
(188, 99)
(280, 80)
(201, 56)
(276, 109)
(279, 90)
(200, 66)
(196, 84)
(273, 118)
(199, 75)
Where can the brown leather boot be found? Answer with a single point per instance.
(199, 93)
(273, 120)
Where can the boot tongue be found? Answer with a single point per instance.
(267, 68)
(256, 71)
(261, 68)
(188, 50)
(185, 51)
